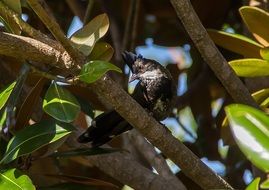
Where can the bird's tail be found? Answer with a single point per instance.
(104, 128)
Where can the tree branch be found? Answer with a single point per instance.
(25, 27)
(27, 48)
(156, 160)
(210, 53)
(125, 169)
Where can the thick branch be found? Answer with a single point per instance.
(27, 48)
(210, 53)
(128, 171)
(25, 27)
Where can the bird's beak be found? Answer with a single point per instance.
(133, 77)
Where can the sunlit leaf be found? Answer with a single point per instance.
(250, 128)
(94, 70)
(61, 104)
(250, 67)
(254, 185)
(85, 38)
(34, 137)
(82, 180)
(261, 95)
(85, 152)
(10, 24)
(13, 179)
(5, 93)
(264, 52)
(3, 117)
(235, 42)
(257, 21)
(102, 51)
(265, 184)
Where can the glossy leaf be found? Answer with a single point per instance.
(254, 185)
(257, 21)
(250, 67)
(261, 95)
(85, 152)
(250, 128)
(5, 93)
(34, 137)
(60, 104)
(83, 180)
(10, 24)
(102, 51)
(13, 179)
(85, 38)
(94, 70)
(235, 42)
(265, 184)
(264, 52)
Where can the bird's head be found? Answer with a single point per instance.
(142, 68)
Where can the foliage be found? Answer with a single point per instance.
(249, 126)
(58, 103)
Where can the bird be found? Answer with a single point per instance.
(155, 92)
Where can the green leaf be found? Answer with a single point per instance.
(235, 43)
(85, 152)
(250, 67)
(265, 184)
(94, 70)
(60, 104)
(85, 38)
(264, 52)
(257, 21)
(250, 128)
(102, 51)
(254, 185)
(261, 95)
(10, 24)
(34, 137)
(5, 93)
(13, 179)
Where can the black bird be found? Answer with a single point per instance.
(155, 92)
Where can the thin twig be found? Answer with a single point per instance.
(184, 128)
(135, 25)
(86, 18)
(76, 8)
(128, 26)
